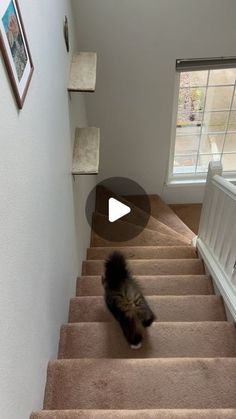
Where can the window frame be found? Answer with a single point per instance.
(186, 178)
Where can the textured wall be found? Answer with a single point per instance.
(138, 42)
(39, 260)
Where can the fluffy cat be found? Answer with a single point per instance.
(125, 301)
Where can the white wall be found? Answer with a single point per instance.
(82, 185)
(138, 42)
(38, 251)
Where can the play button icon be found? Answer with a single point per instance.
(117, 210)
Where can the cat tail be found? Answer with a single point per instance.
(116, 270)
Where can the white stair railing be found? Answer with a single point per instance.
(216, 240)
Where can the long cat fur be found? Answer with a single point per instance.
(124, 299)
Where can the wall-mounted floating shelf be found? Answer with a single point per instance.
(86, 151)
(83, 72)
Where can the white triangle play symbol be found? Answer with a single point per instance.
(117, 210)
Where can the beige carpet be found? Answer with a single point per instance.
(141, 383)
(153, 285)
(138, 414)
(189, 213)
(186, 368)
(168, 308)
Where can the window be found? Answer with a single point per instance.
(205, 127)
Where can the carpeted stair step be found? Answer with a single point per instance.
(154, 267)
(137, 414)
(190, 214)
(167, 309)
(136, 216)
(172, 383)
(162, 340)
(141, 237)
(153, 285)
(164, 213)
(144, 252)
(186, 367)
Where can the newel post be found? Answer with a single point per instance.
(214, 168)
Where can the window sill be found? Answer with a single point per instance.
(185, 182)
(197, 181)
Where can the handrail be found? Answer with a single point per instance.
(216, 240)
(225, 185)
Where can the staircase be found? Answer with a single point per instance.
(186, 367)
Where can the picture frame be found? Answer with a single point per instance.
(15, 49)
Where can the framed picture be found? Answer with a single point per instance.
(15, 49)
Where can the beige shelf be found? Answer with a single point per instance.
(83, 72)
(86, 151)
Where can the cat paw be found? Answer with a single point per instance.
(138, 346)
